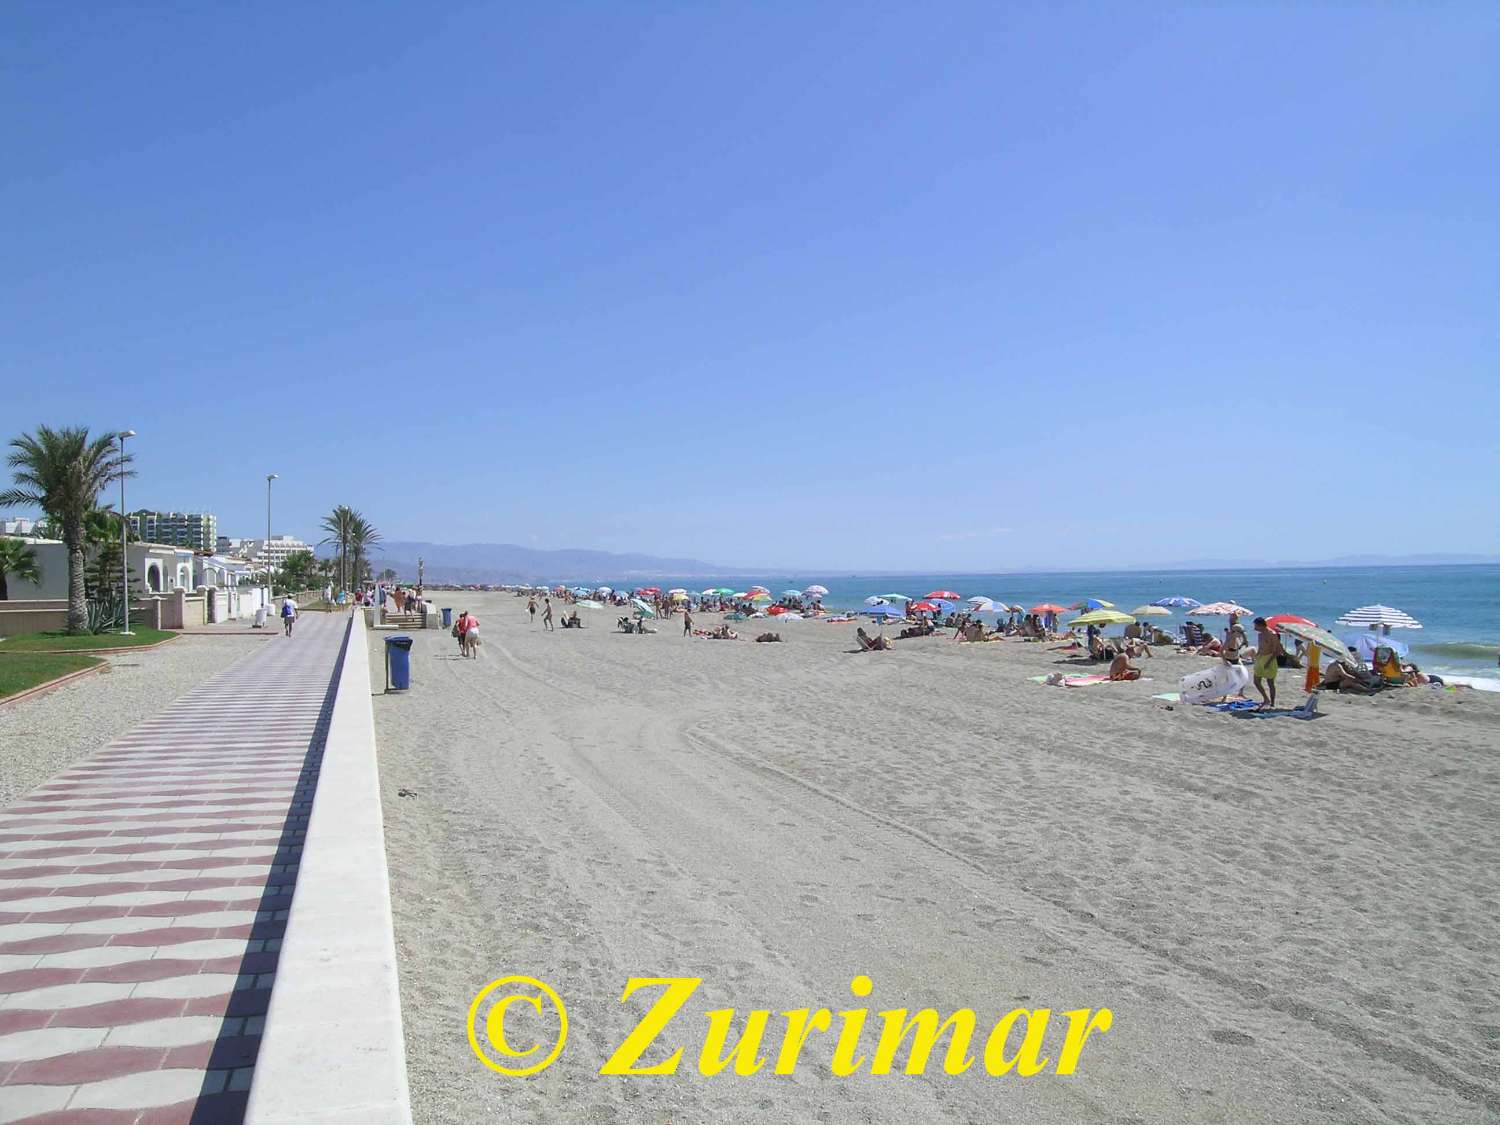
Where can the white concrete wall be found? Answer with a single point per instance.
(52, 558)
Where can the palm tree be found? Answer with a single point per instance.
(340, 527)
(18, 561)
(362, 537)
(62, 472)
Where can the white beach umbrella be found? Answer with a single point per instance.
(875, 601)
(1150, 611)
(763, 589)
(816, 590)
(1221, 609)
(1382, 616)
(982, 605)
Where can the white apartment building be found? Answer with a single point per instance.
(275, 550)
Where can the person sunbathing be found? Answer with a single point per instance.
(1137, 647)
(868, 643)
(1120, 668)
(1340, 677)
(768, 638)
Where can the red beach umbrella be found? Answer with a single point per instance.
(946, 595)
(927, 607)
(1048, 607)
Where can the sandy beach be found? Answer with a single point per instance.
(1291, 920)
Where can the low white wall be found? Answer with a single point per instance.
(334, 1050)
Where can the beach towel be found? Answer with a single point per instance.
(1057, 679)
(1235, 705)
(1307, 710)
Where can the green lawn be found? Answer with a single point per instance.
(36, 642)
(17, 673)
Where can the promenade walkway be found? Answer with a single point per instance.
(144, 895)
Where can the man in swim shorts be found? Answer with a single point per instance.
(1267, 649)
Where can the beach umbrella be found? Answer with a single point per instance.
(816, 590)
(1152, 610)
(945, 595)
(722, 590)
(1288, 618)
(943, 604)
(677, 590)
(1047, 607)
(982, 605)
(760, 596)
(646, 610)
(604, 590)
(1223, 609)
(1103, 617)
(681, 596)
(589, 603)
(875, 599)
(709, 593)
(1365, 643)
(881, 610)
(1333, 647)
(1092, 603)
(1177, 602)
(925, 607)
(895, 597)
(1382, 616)
(763, 589)
(791, 593)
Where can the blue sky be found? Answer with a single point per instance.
(933, 287)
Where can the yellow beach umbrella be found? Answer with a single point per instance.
(760, 596)
(1103, 617)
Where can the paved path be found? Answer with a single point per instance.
(144, 894)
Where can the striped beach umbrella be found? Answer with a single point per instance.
(1379, 616)
(1177, 602)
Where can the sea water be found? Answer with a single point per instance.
(1458, 606)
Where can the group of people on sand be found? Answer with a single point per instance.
(547, 625)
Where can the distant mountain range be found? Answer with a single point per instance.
(508, 562)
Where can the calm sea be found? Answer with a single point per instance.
(1458, 606)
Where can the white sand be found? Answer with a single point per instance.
(1292, 921)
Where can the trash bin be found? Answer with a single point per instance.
(447, 617)
(397, 663)
(260, 617)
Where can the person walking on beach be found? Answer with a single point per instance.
(547, 616)
(1268, 649)
(1234, 640)
(531, 609)
(288, 615)
(687, 622)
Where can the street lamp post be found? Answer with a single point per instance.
(269, 478)
(124, 539)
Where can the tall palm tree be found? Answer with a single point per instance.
(62, 472)
(362, 537)
(340, 527)
(18, 561)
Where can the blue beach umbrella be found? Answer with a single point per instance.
(1177, 603)
(881, 611)
(1365, 643)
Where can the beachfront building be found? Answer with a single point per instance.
(236, 547)
(10, 526)
(155, 568)
(273, 551)
(198, 530)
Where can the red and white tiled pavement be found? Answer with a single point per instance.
(144, 894)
